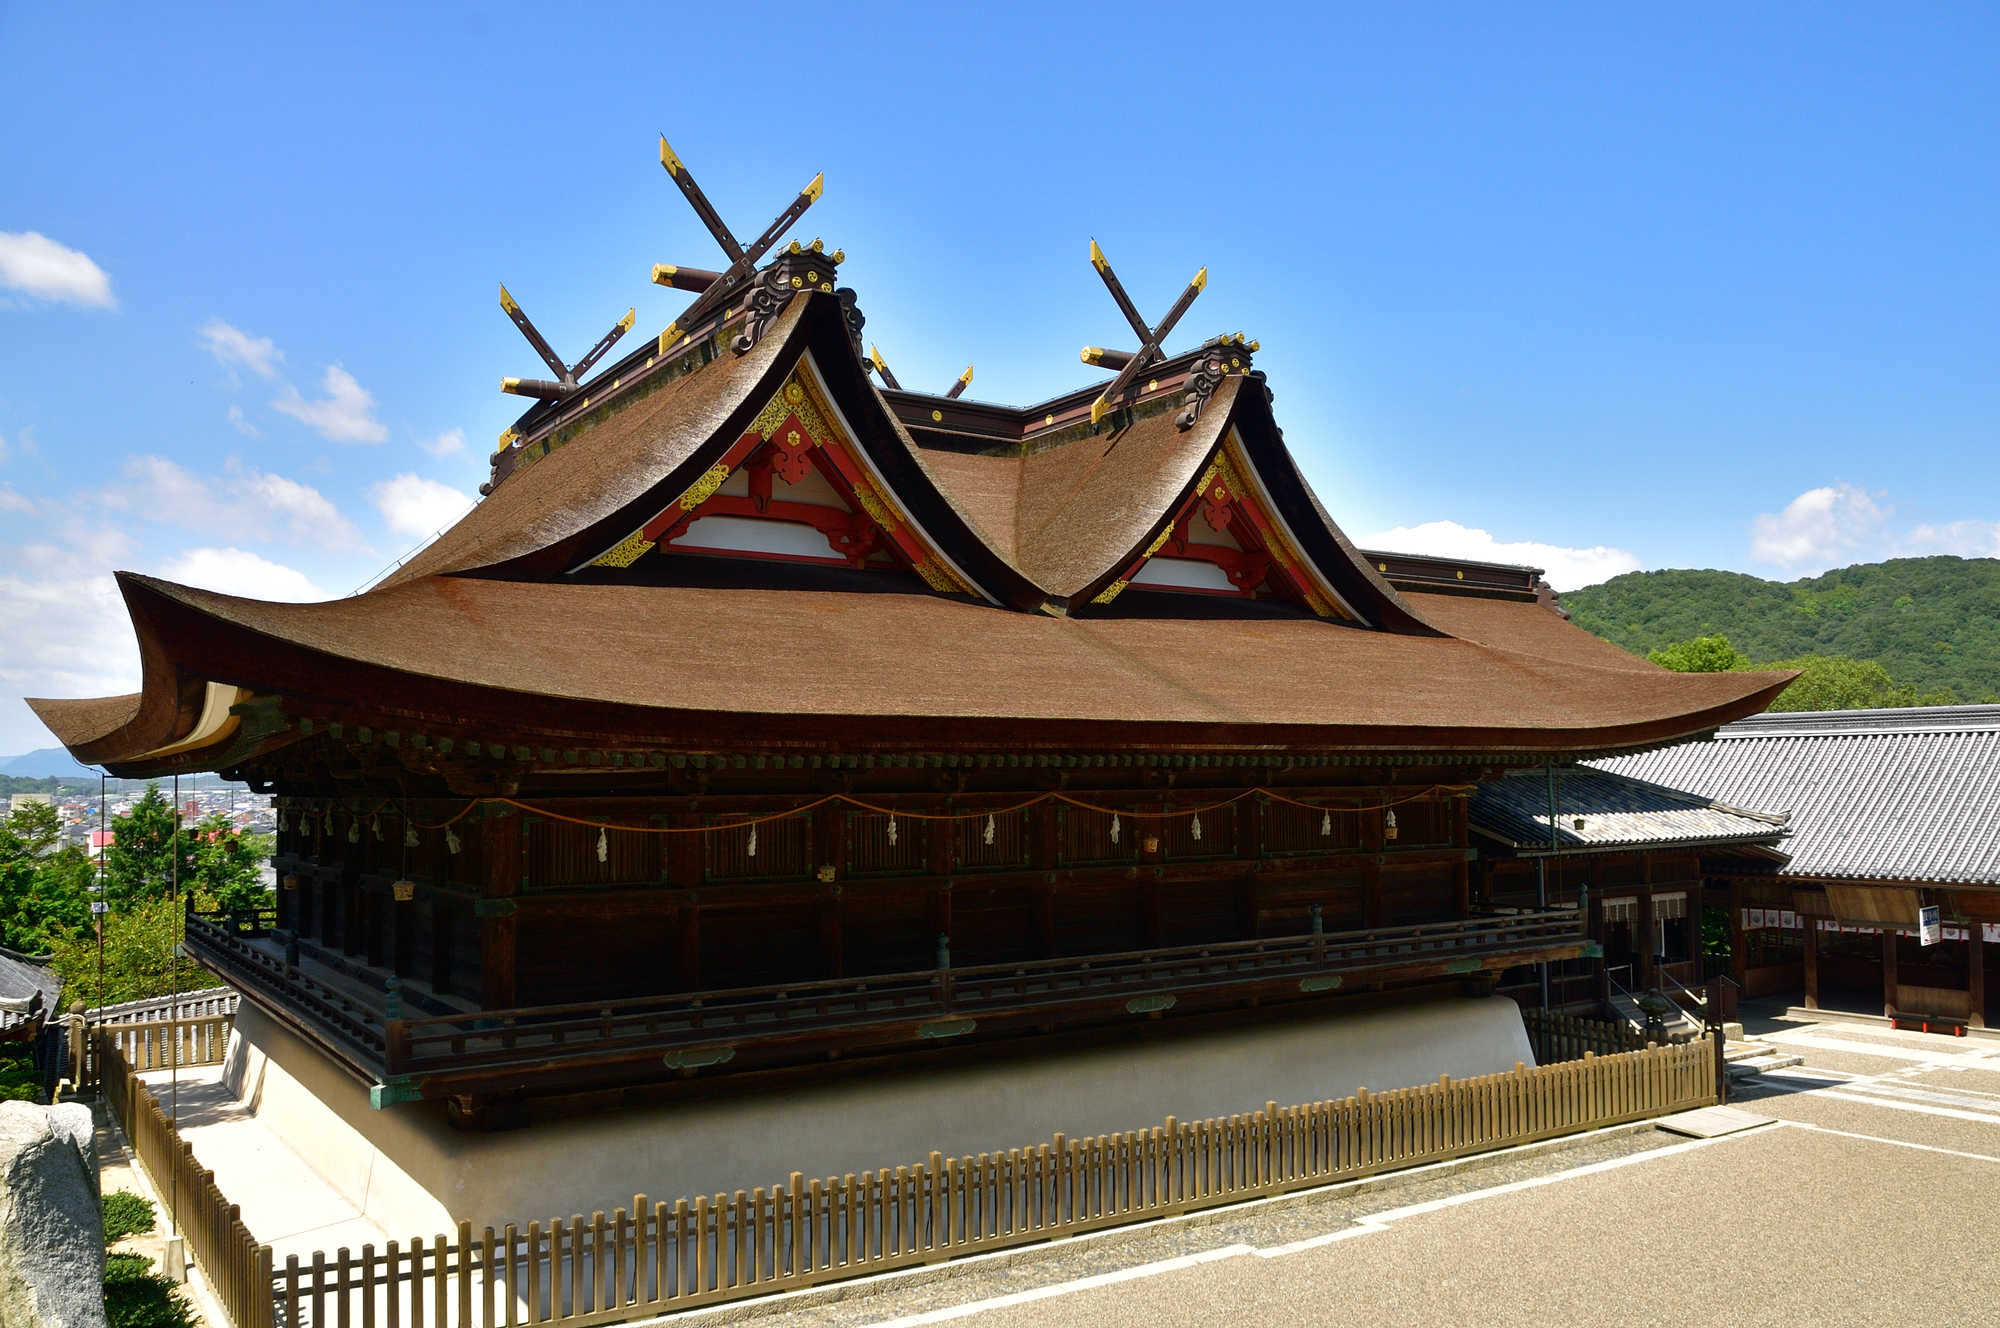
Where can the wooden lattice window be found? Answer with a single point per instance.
(1291, 831)
(882, 845)
(563, 855)
(1009, 849)
(783, 849)
(1084, 835)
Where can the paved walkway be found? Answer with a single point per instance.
(1870, 1199)
(285, 1203)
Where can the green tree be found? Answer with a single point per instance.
(1836, 682)
(1704, 654)
(138, 955)
(217, 865)
(43, 889)
(140, 861)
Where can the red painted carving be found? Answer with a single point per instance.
(1215, 506)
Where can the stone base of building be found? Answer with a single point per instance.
(410, 1172)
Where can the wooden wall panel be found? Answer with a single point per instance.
(992, 925)
(1417, 894)
(749, 946)
(598, 954)
(1209, 836)
(1195, 911)
(1099, 918)
(1284, 905)
(887, 931)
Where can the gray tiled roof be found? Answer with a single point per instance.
(1910, 794)
(21, 976)
(1616, 811)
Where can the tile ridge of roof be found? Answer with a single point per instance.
(1853, 723)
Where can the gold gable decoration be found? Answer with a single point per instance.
(626, 552)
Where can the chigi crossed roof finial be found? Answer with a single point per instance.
(714, 289)
(1128, 366)
(568, 377)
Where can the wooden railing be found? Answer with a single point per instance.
(237, 1268)
(656, 1258)
(350, 1026)
(1562, 1037)
(941, 1002)
(151, 1046)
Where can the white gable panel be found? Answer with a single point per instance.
(1183, 574)
(739, 534)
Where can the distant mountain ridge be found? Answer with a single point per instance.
(44, 762)
(1932, 622)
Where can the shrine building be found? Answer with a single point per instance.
(771, 726)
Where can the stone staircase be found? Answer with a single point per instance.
(1743, 1058)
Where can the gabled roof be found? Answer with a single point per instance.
(1890, 795)
(984, 566)
(1598, 811)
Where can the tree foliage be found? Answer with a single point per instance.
(43, 889)
(1825, 682)
(138, 956)
(1704, 654)
(1932, 624)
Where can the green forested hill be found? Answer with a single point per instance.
(1931, 622)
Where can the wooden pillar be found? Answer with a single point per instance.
(1371, 895)
(1889, 972)
(829, 934)
(1461, 872)
(1045, 919)
(1153, 923)
(500, 865)
(402, 936)
(1812, 962)
(1739, 955)
(1975, 972)
(1649, 964)
(441, 910)
(687, 945)
(1248, 906)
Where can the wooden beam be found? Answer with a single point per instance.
(501, 853)
(1812, 963)
(1888, 972)
(1975, 973)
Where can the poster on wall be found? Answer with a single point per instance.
(1930, 929)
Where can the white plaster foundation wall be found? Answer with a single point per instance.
(413, 1174)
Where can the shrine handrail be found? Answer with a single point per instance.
(715, 1018)
(352, 1023)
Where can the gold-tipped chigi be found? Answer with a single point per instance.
(669, 336)
(1150, 338)
(964, 381)
(818, 186)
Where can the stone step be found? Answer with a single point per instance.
(1753, 1066)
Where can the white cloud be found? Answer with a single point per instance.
(1967, 539)
(13, 502)
(239, 572)
(243, 425)
(236, 349)
(416, 506)
(345, 415)
(449, 443)
(1818, 528)
(67, 634)
(1565, 569)
(241, 503)
(32, 262)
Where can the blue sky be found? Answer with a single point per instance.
(1647, 286)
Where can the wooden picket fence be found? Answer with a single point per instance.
(146, 1047)
(1562, 1037)
(238, 1269)
(656, 1258)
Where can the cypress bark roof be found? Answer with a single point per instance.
(993, 586)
